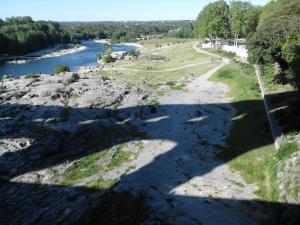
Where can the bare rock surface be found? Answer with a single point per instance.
(49, 123)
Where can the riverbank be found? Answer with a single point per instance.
(45, 53)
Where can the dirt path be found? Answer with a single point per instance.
(177, 169)
(155, 71)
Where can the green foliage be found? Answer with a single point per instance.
(255, 162)
(20, 35)
(107, 58)
(74, 78)
(103, 30)
(134, 53)
(213, 21)
(61, 68)
(123, 36)
(277, 39)
(84, 168)
(286, 150)
(243, 18)
(105, 78)
(183, 32)
(102, 183)
(88, 166)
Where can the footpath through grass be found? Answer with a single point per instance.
(250, 146)
(163, 60)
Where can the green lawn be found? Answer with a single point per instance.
(182, 60)
(250, 146)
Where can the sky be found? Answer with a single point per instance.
(105, 10)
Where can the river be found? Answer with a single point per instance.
(86, 57)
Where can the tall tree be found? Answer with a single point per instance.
(213, 21)
(244, 18)
(277, 40)
(22, 35)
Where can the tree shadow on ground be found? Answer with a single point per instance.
(87, 131)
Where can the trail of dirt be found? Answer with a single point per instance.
(155, 71)
(177, 168)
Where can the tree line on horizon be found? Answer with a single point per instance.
(20, 35)
(272, 33)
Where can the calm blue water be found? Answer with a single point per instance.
(86, 57)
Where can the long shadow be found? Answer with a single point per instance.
(62, 134)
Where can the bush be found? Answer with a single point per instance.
(105, 78)
(61, 68)
(74, 78)
(134, 53)
(286, 150)
(108, 58)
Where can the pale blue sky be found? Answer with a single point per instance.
(105, 10)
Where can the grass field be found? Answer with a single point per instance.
(181, 60)
(250, 147)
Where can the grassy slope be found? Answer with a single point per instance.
(180, 53)
(250, 148)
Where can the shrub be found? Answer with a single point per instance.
(171, 83)
(134, 53)
(74, 78)
(108, 58)
(61, 68)
(286, 150)
(105, 78)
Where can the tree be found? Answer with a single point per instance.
(244, 18)
(276, 40)
(20, 35)
(213, 21)
(185, 32)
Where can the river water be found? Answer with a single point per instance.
(86, 57)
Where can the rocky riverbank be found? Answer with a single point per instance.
(44, 54)
(67, 139)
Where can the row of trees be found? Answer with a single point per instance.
(121, 31)
(20, 35)
(218, 19)
(272, 32)
(184, 32)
